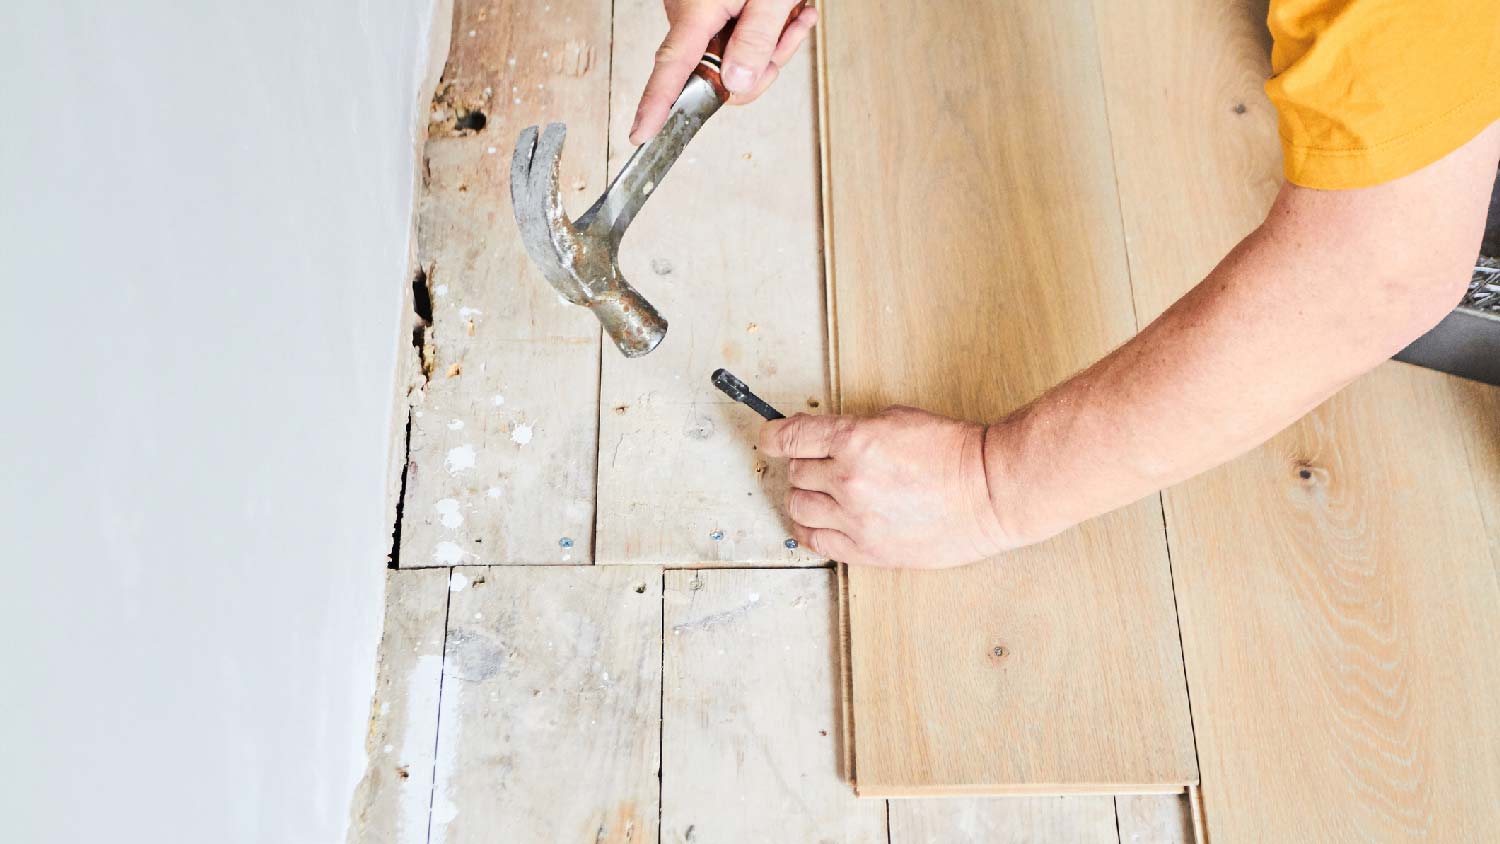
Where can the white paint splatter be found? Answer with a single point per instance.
(511, 61)
(388, 748)
(443, 811)
(754, 597)
(493, 492)
(473, 33)
(648, 187)
(478, 616)
(447, 553)
(497, 400)
(459, 459)
(491, 150)
(441, 290)
(521, 434)
(447, 509)
(456, 425)
(468, 312)
(458, 582)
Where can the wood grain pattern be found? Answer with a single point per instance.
(1004, 820)
(1479, 407)
(979, 259)
(1153, 819)
(551, 706)
(391, 804)
(750, 712)
(504, 436)
(728, 250)
(1337, 600)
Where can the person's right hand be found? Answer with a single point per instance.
(755, 54)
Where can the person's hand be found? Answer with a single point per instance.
(905, 488)
(755, 54)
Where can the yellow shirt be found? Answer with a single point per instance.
(1371, 90)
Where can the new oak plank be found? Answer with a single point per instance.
(727, 248)
(551, 706)
(391, 805)
(978, 259)
(1479, 405)
(1339, 609)
(1004, 820)
(750, 712)
(503, 436)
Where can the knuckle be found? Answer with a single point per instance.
(755, 39)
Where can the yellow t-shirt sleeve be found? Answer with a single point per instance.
(1370, 90)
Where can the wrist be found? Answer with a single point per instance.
(1003, 459)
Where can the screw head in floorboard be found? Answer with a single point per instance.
(791, 544)
(565, 542)
(716, 535)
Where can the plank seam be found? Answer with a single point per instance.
(609, 106)
(437, 731)
(661, 716)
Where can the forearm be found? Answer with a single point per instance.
(1287, 318)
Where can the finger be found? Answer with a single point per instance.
(802, 435)
(679, 54)
(811, 474)
(826, 542)
(814, 509)
(791, 39)
(755, 37)
(793, 36)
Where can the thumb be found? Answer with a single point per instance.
(754, 41)
(803, 436)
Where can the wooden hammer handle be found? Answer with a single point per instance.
(713, 55)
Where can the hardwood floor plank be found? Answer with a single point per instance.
(1310, 573)
(1153, 819)
(503, 440)
(750, 712)
(1004, 820)
(979, 259)
(551, 706)
(728, 250)
(391, 805)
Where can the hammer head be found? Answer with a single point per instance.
(578, 259)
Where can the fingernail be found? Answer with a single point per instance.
(635, 126)
(738, 78)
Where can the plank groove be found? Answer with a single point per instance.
(750, 712)
(728, 250)
(1339, 610)
(551, 706)
(504, 434)
(978, 259)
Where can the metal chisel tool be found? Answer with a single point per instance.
(736, 389)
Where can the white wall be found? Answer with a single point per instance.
(204, 216)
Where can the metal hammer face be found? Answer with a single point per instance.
(580, 258)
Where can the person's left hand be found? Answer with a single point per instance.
(905, 488)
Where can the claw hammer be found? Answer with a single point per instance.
(580, 257)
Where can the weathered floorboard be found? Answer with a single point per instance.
(750, 712)
(392, 802)
(1153, 819)
(503, 441)
(1003, 820)
(728, 250)
(550, 723)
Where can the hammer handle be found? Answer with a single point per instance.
(713, 55)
